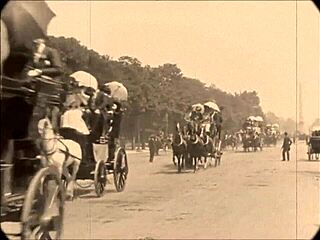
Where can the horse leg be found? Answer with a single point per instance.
(71, 177)
(205, 162)
(183, 157)
(174, 159)
(216, 159)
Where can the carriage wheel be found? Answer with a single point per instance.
(120, 171)
(43, 208)
(100, 178)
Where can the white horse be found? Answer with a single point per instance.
(61, 153)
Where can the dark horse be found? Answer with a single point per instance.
(179, 148)
(195, 147)
(209, 149)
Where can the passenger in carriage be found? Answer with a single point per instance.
(73, 126)
(114, 133)
(104, 105)
(207, 120)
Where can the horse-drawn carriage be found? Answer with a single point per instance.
(100, 155)
(251, 134)
(31, 193)
(313, 143)
(271, 134)
(35, 168)
(199, 139)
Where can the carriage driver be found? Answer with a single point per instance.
(46, 60)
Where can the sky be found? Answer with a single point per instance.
(235, 45)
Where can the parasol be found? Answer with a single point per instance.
(85, 79)
(213, 106)
(118, 91)
(5, 47)
(259, 119)
(275, 125)
(198, 107)
(251, 118)
(26, 21)
(315, 128)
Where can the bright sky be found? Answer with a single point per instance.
(237, 46)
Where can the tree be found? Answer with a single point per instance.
(155, 92)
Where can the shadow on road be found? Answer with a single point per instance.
(170, 169)
(306, 160)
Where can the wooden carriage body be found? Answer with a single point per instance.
(19, 160)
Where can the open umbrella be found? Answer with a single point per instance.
(118, 91)
(26, 21)
(212, 105)
(198, 107)
(259, 119)
(85, 79)
(251, 118)
(5, 47)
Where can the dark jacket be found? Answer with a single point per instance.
(49, 63)
(286, 143)
(218, 119)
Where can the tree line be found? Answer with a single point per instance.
(158, 96)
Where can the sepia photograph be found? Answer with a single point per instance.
(160, 119)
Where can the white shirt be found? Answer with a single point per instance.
(72, 118)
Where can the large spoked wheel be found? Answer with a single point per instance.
(43, 209)
(120, 170)
(100, 178)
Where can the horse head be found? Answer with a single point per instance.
(47, 136)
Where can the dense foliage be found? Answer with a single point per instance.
(158, 96)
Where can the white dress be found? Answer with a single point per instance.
(72, 118)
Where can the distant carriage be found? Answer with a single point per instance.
(252, 137)
(201, 140)
(271, 134)
(313, 143)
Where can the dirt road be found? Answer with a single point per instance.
(251, 195)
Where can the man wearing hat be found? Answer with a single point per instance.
(46, 60)
(104, 105)
(286, 147)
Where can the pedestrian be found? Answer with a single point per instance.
(152, 147)
(286, 147)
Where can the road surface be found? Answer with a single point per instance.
(250, 196)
